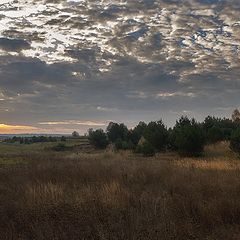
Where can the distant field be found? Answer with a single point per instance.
(78, 194)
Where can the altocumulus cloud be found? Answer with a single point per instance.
(90, 61)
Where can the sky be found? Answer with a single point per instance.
(76, 64)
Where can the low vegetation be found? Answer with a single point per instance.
(105, 195)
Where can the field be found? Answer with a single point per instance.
(70, 195)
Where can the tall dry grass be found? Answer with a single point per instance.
(120, 196)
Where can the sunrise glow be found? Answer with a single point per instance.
(9, 129)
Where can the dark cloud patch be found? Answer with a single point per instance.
(23, 75)
(14, 45)
(86, 55)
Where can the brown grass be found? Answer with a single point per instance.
(121, 196)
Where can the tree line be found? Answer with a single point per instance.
(34, 139)
(188, 137)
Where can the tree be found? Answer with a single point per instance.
(75, 134)
(136, 133)
(98, 138)
(116, 132)
(214, 134)
(235, 141)
(212, 124)
(157, 135)
(188, 137)
(236, 115)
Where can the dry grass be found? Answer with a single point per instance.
(121, 196)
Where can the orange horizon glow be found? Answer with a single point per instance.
(11, 129)
(24, 129)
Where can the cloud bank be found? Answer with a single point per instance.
(95, 61)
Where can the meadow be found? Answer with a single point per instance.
(79, 194)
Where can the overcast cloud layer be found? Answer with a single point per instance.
(68, 65)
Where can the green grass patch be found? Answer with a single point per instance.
(9, 161)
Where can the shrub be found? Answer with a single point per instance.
(146, 149)
(75, 134)
(124, 145)
(188, 137)
(235, 141)
(98, 138)
(62, 147)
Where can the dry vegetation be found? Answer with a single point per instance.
(120, 196)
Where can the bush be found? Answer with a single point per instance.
(146, 149)
(98, 138)
(61, 147)
(124, 145)
(235, 141)
(188, 137)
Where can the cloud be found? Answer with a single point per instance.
(74, 122)
(165, 95)
(13, 45)
(121, 60)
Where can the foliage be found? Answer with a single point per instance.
(117, 131)
(136, 134)
(188, 137)
(157, 135)
(214, 135)
(30, 140)
(75, 134)
(124, 145)
(98, 138)
(235, 141)
(63, 139)
(61, 147)
(146, 149)
(218, 129)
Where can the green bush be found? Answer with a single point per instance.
(124, 145)
(98, 138)
(235, 141)
(188, 137)
(61, 147)
(146, 149)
